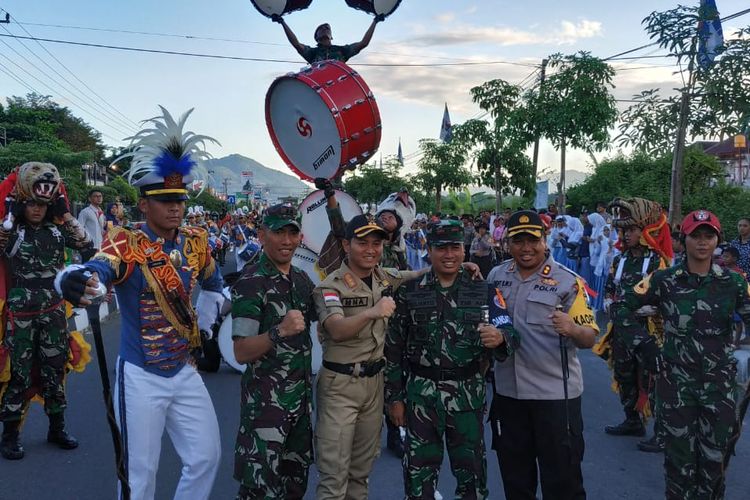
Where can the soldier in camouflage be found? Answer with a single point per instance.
(272, 309)
(629, 330)
(438, 346)
(37, 326)
(696, 380)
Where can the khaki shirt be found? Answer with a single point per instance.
(342, 292)
(535, 371)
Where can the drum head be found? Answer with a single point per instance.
(385, 7)
(271, 7)
(307, 260)
(226, 344)
(315, 225)
(303, 129)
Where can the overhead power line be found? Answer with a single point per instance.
(242, 58)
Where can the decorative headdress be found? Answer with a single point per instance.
(650, 218)
(165, 160)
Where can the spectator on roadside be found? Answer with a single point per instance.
(92, 218)
(469, 232)
(742, 244)
(481, 249)
(584, 249)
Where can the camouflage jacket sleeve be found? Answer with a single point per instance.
(500, 319)
(646, 292)
(336, 219)
(75, 236)
(247, 306)
(610, 289)
(395, 348)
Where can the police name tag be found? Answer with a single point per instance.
(354, 302)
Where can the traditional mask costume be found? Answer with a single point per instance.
(157, 386)
(36, 351)
(627, 337)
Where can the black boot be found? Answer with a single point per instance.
(651, 445)
(10, 447)
(631, 426)
(57, 434)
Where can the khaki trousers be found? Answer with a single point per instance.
(347, 434)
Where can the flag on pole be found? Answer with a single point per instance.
(400, 153)
(446, 134)
(710, 34)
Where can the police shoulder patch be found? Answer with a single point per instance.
(349, 280)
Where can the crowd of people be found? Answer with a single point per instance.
(413, 323)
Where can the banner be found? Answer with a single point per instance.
(542, 195)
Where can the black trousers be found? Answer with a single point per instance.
(531, 442)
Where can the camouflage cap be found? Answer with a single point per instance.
(279, 216)
(445, 232)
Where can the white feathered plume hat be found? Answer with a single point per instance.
(166, 160)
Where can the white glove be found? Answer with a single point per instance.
(645, 311)
(607, 305)
(207, 309)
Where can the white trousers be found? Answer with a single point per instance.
(145, 405)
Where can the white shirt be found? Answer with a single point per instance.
(92, 219)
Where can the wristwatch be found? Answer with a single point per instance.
(274, 334)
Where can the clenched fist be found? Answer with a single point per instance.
(292, 324)
(384, 308)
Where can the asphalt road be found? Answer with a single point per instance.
(613, 467)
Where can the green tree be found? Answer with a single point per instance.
(718, 95)
(371, 184)
(442, 167)
(575, 107)
(498, 146)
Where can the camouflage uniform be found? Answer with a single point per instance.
(274, 443)
(393, 256)
(433, 354)
(629, 331)
(37, 327)
(695, 386)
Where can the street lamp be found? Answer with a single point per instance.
(740, 144)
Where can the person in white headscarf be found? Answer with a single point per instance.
(605, 253)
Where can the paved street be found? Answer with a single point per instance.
(613, 468)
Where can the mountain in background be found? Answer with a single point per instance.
(278, 184)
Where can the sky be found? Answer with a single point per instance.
(229, 95)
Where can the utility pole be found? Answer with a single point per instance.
(225, 182)
(535, 157)
(675, 188)
(4, 136)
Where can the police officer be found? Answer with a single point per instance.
(437, 349)
(536, 410)
(696, 381)
(272, 309)
(353, 304)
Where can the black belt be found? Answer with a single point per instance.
(365, 369)
(435, 373)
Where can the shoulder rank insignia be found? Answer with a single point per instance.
(546, 270)
(350, 281)
(512, 267)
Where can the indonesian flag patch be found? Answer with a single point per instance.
(331, 297)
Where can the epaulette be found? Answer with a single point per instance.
(392, 272)
(193, 231)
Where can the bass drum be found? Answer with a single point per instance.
(323, 119)
(315, 225)
(226, 344)
(375, 7)
(279, 7)
(307, 260)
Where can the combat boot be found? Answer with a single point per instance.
(651, 445)
(631, 426)
(10, 447)
(57, 434)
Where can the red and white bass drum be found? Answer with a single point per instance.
(323, 119)
(315, 225)
(279, 7)
(385, 7)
